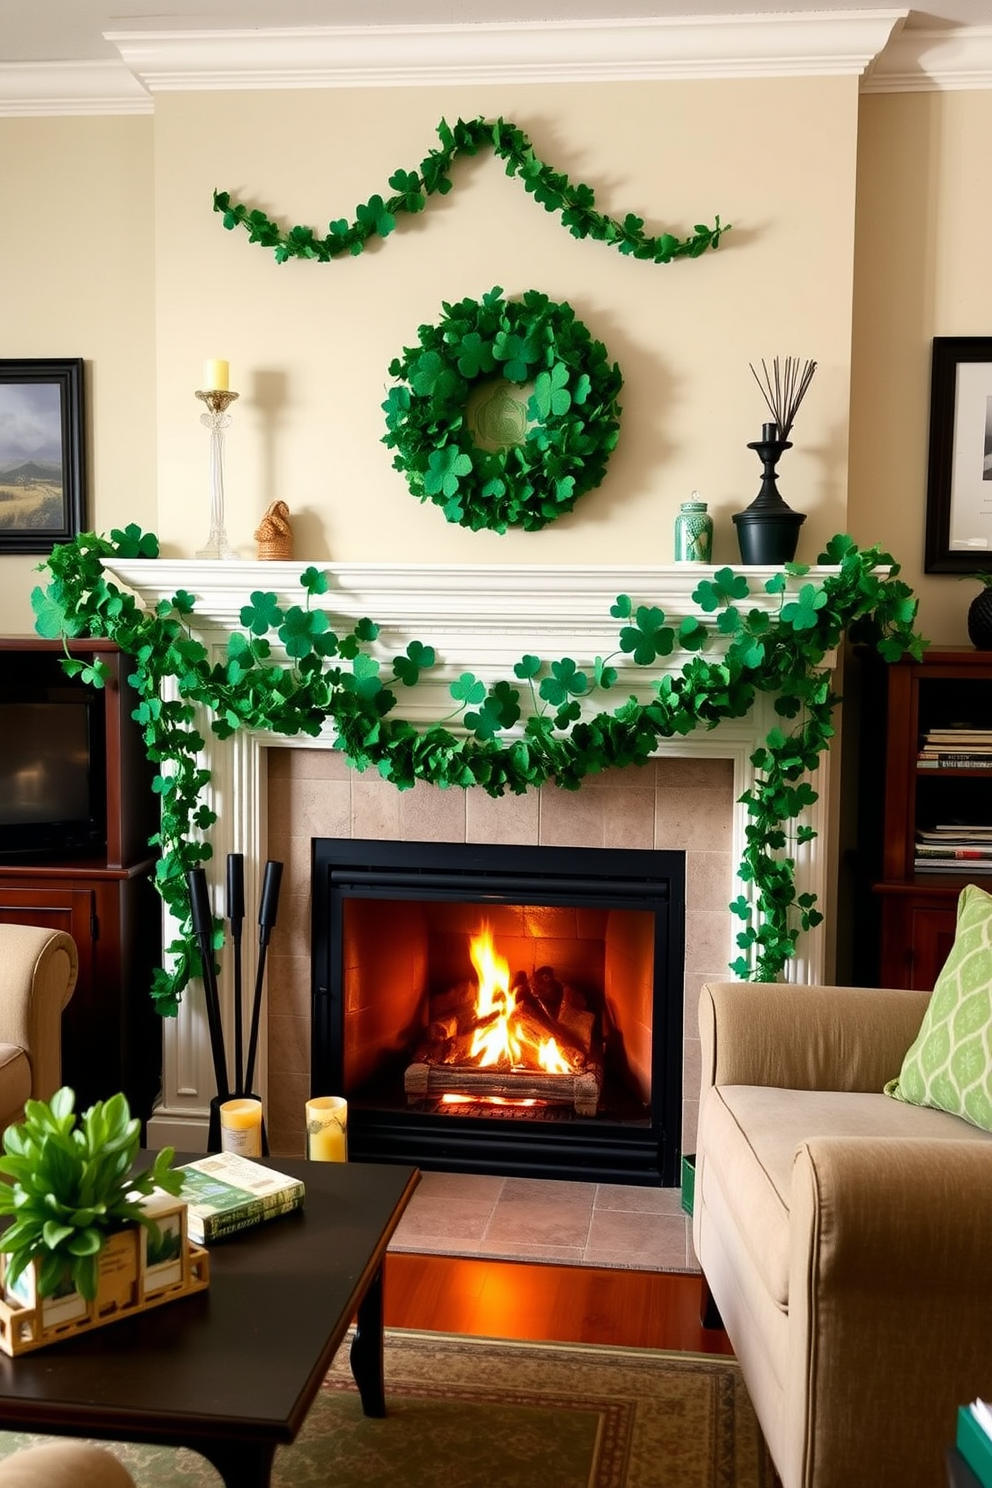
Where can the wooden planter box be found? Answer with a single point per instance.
(136, 1273)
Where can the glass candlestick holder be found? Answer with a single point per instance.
(216, 418)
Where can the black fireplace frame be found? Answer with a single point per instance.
(645, 1152)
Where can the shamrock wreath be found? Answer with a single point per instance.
(505, 413)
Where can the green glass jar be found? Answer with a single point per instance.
(693, 532)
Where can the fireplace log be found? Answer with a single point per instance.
(423, 1081)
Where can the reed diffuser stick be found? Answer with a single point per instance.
(783, 389)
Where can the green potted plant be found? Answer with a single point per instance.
(72, 1187)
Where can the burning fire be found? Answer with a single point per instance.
(500, 1036)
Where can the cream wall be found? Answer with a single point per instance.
(77, 258)
(310, 344)
(111, 251)
(922, 270)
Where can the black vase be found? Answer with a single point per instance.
(980, 620)
(768, 529)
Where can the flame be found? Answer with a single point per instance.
(495, 1004)
(551, 1059)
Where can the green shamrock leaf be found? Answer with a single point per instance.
(527, 667)
(133, 543)
(837, 549)
(517, 352)
(603, 675)
(262, 614)
(468, 689)
(501, 710)
(397, 405)
(802, 613)
(475, 356)
(374, 217)
(418, 658)
(445, 468)
(649, 638)
(623, 609)
(315, 580)
(724, 587)
(299, 628)
(565, 681)
(426, 372)
(407, 184)
(551, 395)
(49, 616)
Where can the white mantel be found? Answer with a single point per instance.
(479, 618)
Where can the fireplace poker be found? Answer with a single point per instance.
(203, 929)
(267, 912)
(236, 915)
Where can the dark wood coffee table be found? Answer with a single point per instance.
(231, 1372)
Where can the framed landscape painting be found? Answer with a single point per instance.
(41, 453)
(959, 483)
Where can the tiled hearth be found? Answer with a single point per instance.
(685, 804)
(540, 1219)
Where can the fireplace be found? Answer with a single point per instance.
(502, 1009)
(689, 797)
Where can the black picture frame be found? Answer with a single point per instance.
(959, 475)
(42, 460)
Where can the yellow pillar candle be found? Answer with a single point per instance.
(241, 1126)
(216, 376)
(327, 1128)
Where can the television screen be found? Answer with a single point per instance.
(49, 801)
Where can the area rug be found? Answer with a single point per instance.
(481, 1413)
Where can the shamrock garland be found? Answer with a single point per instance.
(333, 675)
(573, 412)
(576, 204)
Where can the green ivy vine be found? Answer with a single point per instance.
(376, 218)
(512, 734)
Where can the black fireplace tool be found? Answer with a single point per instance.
(203, 928)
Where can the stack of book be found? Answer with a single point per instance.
(225, 1193)
(974, 1439)
(956, 749)
(954, 848)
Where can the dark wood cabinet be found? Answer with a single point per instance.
(111, 1034)
(917, 909)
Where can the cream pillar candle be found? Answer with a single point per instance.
(241, 1126)
(216, 376)
(327, 1128)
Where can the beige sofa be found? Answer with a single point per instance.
(38, 969)
(845, 1237)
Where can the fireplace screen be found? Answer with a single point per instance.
(502, 1009)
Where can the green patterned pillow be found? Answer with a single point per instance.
(949, 1063)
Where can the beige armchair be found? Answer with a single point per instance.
(845, 1237)
(69, 1464)
(38, 969)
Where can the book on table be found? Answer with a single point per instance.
(225, 1193)
(974, 1439)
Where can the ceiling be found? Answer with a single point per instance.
(47, 31)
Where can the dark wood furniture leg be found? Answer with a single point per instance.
(709, 1313)
(242, 1464)
(366, 1350)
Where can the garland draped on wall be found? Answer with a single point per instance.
(511, 735)
(376, 218)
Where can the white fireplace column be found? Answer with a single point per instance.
(480, 619)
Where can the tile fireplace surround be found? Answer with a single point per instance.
(272, 794)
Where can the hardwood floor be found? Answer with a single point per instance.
(563, 1304)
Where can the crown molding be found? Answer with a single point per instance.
(931, 60)
(35, 89)
(874, 45)
(792, 45)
